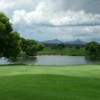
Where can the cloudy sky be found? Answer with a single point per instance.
(54, 19)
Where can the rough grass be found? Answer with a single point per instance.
(50, 83)
(65, 51)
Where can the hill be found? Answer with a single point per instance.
(56, 41)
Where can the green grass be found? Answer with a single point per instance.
(65, 51)
(22, 82)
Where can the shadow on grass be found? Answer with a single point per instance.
(48, 87)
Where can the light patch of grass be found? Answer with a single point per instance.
(80, 70)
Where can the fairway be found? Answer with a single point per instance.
(23, 82)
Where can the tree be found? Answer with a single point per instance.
(11, 44)
(61, 46)
(40, 46)
(30, 47)
(93, 50)
(8, 39)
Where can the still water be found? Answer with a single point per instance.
(51, 60)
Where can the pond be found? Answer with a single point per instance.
(51, 60)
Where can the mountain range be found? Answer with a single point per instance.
(56, 41)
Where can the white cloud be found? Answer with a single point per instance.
(47, 14)
(76, 18)
(8, 6)
(92, 30)
(4, 5)
(34, 18)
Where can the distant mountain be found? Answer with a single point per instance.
(56, 41)
(78, 41)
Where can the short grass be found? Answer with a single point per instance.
(23, 82)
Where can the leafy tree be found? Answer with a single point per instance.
(8, 39)
(61, 46)
(93, 50)
(40, 46)
(11, 44)
(13, 49)
(77, 47)
(30, 47)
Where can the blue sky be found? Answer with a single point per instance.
(65, 20)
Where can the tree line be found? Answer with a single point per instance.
(63, 46)
(93, 50)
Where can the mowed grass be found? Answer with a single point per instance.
(21, 82)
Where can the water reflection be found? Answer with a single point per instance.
(60, 60)
(26, 60)
(4, 60)
(92, 61)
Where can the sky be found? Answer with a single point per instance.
(65, 20)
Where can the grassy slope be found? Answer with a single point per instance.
(50, 83)
(66, 51)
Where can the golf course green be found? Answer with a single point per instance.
(29, 82)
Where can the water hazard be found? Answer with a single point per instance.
(51, 60)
